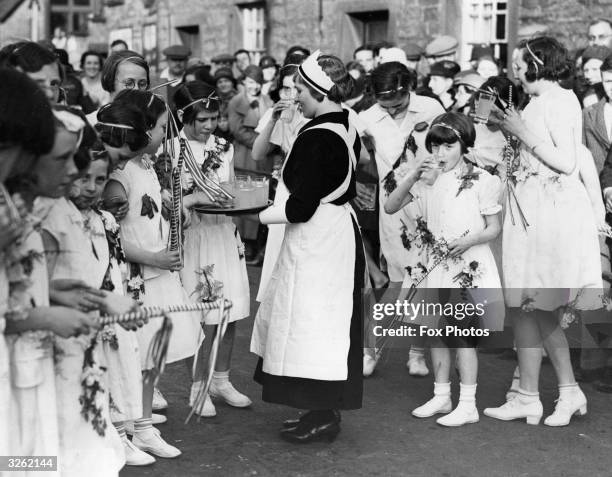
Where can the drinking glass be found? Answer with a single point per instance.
(484, 104)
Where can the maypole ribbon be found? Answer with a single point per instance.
(224, 319)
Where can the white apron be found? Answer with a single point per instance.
(302, 328)
(274, 242)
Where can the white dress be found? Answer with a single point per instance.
(283, 135)
(161, 287)
(85, 256)
(449, 213)
(389, 139)
(5, 377)
(33, 421)
(80, 443)
(560, 247)
(212, 240)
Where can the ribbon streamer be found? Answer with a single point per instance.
(212, 361)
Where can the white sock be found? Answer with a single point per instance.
(221, 376)
(442, 389)
(467, 394)
(566, 390)
(416, 353)
(528, 397)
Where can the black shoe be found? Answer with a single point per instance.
(256, 260)
(604, 385)
(292, 423)
(305, 433)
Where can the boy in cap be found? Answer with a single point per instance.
(441, 78)
(442, 48)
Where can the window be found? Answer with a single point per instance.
(486, 21)
(372, 26)
(71, 15)
(149, 43)
(253, 17)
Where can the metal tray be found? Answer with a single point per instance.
(237, 210)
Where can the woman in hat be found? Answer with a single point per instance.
(592, 59)
(269, 68)
(441, 78)
(307, 331)
(244, 112)
(226, 87)
(554, 260)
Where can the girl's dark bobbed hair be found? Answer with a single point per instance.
(194, 97)
(546, 59)
(26, 118)
(121, 124)
(27, 56)
(150, 105)
(391, 80)
(450, 128)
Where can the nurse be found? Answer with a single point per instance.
(308, 332)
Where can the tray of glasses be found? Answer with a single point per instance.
(233, 208)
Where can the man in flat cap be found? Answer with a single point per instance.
(170, 77)
(224, 60)
(441, 77)
(442, 48)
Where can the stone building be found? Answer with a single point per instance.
(209, 27)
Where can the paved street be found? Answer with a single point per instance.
(382, 438)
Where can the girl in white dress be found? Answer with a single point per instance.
(559, 250)
(129, 132)
(279, 126)
(214, 252)
(459, 211)
(392, 123)
(33, 419)
(96, 232)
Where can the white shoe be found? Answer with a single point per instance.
(439, 404)
(463, 414)
(566, 407)
(416, 365)
(226, 391)
(158, 419)
(517, 409)
(207, 409)
(134, 456)
(159, 402)
(194, 391)
(150, 441)
(369, 364)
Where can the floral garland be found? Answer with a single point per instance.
(389, 182)
(93, 392)
(111, 229)
(208, 289)
(469, 274)
(135, 284)
(467, 180)
(213, 154)
(417, 273)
